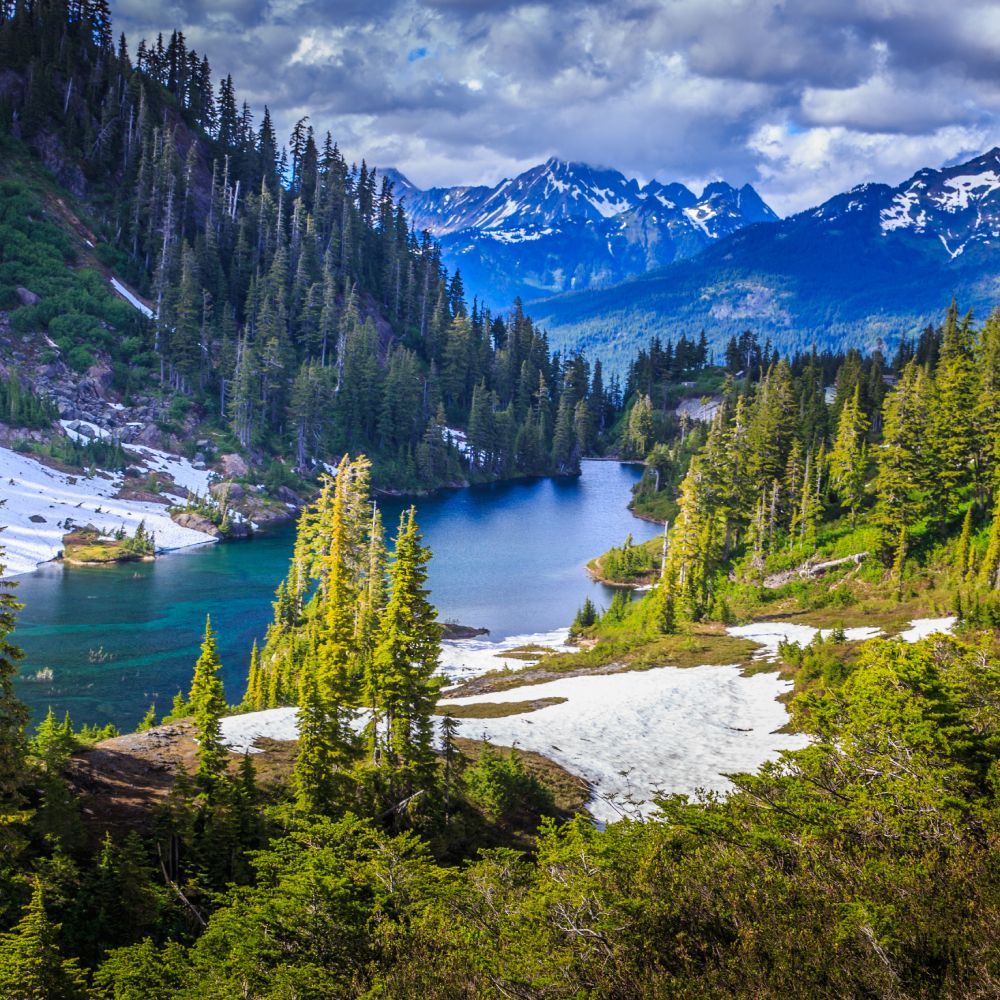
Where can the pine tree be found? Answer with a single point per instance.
(313, 780)
(905, 463)
(31, 964)
(640, 427)
(208, 705)
(849, 455)
(989, 572)
(406, 655)
(955, 437)
(963, 546)
(148, 721)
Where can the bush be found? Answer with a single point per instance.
(501, 787)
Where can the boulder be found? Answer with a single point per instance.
(227, 491)
(99, 378)
(196, 522)
(233, 466)
(239, 529)
(150, 436)
(37, 519)
(289, 496)
(26, 297)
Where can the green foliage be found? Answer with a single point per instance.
(87, 454)
(31, 964)
(208, 704)
(629, 562)
(585, 617)
(500, 786)
(20, 407)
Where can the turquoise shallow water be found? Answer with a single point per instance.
(508, 557)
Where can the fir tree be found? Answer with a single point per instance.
(406, 655)
(849, 455)
(208, 705)
(31, 964)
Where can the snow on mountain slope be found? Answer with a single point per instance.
(956, 205)
(586, 226)
(42, 504)
(871, 264)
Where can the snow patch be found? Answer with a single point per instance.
(33, 490)
(183, 473)
(462, 659)
(241, 732)
(75, 431)
(639, 734)
(701, 215)
(921, 628)
(769, 635)
(642, 734)
(966, 187)
(132, 299)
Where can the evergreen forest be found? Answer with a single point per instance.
(290, 311)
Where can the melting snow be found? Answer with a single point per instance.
(462, 659)
(635, 734)
(700, 216)
(132, 299)
(74, 431)
(33, 490)
(923, 627)
(769, 635)
(241, 732)
(183, 473)
(966, 187)
(631, 735)
(897, 215)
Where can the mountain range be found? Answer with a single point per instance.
(875, 263)
(562, 227)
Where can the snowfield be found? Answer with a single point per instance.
(640, 734)
(57, 498)
(630, 735)
(769, 635)
(463, 659)
(633, 736)
(921, 628)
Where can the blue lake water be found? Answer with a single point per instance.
(508, 557)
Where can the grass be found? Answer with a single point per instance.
(85, 547)
(530, 651)
(703, 645)
(495, 710)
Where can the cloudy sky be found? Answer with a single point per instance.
(802, 98)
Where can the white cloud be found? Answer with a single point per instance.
(799, 169)
(803, 100)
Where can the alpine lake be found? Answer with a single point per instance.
(103, 643)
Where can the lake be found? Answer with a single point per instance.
(508, 557)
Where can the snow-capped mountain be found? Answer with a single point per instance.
(567, 226)
(875, 262)
(958, 205)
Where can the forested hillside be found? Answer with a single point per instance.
(868, 266)
(293, 312)
(378, 856)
